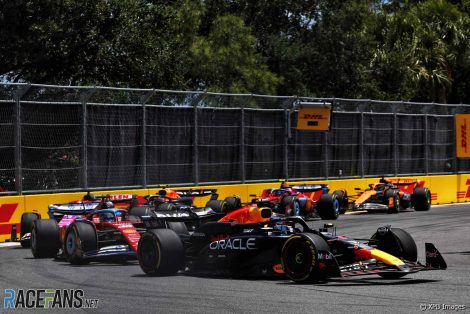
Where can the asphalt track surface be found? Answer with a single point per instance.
(123, 288)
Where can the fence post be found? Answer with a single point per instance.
(395, 155)
(287, 124)
(242, 142)
(143, 150)
(361, 145)
(426, 141)
(19, 93)
(84, 97)
(195, 147)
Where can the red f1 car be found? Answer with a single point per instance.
(393, 195)
(306, 200)
(88, 203)
(82, 230)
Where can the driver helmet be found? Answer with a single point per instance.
(108, 204)
(107, 217)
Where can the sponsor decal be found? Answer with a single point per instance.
(234, 244)
(314, 116)
(125, 226)
(119, 197)
(432, 254)
(278, 269)
(325, 256)
(461, 135)
(47, 299)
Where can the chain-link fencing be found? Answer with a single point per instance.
(62, 138)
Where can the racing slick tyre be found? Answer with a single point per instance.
(45, 241)
(421, 199)
(233, 203)
(166, 207)
(396, 201)
(178, 227)
(219, 206)
(139, 211)
(343, 200)
(26, 225)
(80, 238)
(160, 252)
(328, 206)
(291, 206)
(299, 257)
(396, 242)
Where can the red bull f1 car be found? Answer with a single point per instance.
(259, 244)
(394, 195)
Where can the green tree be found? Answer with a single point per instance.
(134, 43)
(425, 47)
(227, 61)
(342, 45)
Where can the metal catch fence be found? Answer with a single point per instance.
(63, 138)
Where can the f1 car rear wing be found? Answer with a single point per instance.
(196, 193)
(309, 187)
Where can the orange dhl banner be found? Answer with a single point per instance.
(462, 130)
(314, 119)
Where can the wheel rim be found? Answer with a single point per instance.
(296, 209)
(70, 243)
(297, 259)
(336, 207)
(148, 255)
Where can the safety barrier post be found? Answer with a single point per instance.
(84, 97)
(143, 101)
(195, 147)
(242, 143)
(19, 93)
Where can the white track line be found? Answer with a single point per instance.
(8, 244)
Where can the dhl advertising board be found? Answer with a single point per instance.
(314, 118)
(444, 189)
(462, 130)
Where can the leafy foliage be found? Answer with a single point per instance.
(392, 50)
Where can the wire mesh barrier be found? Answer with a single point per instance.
(62, 138)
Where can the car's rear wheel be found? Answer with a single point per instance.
(139, 211)
(395, 208)
(160, 252)
(219, 206)
(299, 257)
(45, 241)
(26, 226)
(80, 238)
(291, 206)
(178, 227)
(421, 199)
(398, 243)
(343, 200)
(328, 206)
